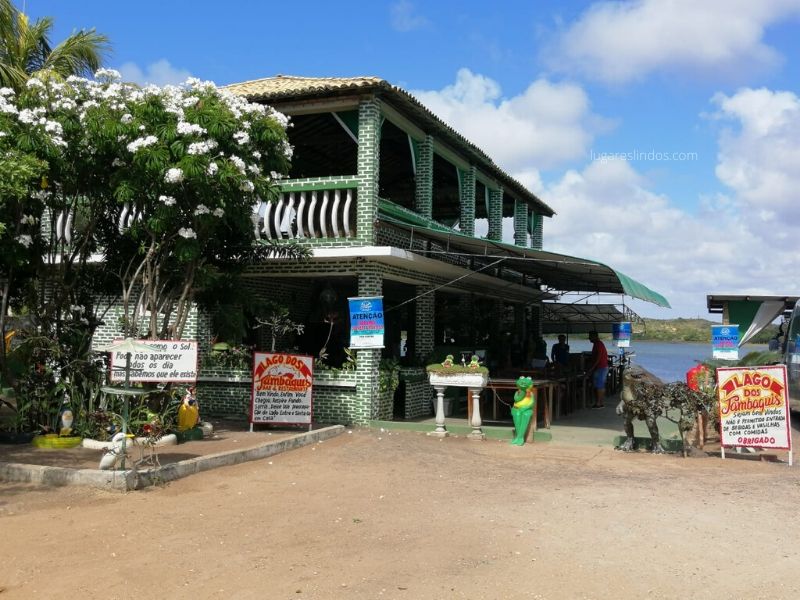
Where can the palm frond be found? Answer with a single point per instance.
(80, 54)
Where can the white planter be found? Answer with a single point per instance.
(468, 380)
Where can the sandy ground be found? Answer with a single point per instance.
(374, 514)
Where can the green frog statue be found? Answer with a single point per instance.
(522, 411)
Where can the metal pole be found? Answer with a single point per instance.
(125, 407)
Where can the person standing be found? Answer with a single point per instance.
(598, 369)
(559, 354)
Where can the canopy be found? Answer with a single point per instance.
(557, 271)
(583, 318)
(751, 313)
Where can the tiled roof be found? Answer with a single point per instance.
(289, 85)
(280, 87)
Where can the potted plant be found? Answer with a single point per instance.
(448, 373)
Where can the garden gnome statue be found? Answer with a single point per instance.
(522, 411)
(66, 418)
(189, 412)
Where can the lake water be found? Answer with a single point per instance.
(669, 361)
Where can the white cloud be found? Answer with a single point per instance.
(619, 42)
(158, 73)
(546, 125)
(607, 213)
(759, 159)
(404, 17)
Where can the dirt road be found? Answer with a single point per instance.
(400, 515)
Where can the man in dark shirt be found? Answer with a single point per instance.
(598, 369)
(559, 354)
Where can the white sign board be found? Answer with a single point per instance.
(169, 360)
(754, 407)
(282, 386)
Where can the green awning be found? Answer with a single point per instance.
(557, 271)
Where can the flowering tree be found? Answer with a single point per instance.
(187, 164)
(161, 182)
(141, 194)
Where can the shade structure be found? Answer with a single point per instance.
(583, 318)
(751, 313)
(556, 271)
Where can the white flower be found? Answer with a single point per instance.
(41, 194)
(257, 155)
(174, 175)
(185, 128)
(34, 83)
(254, 169)
(241, 137)
(187, 232)
(218, 212)
(28, 220)
(136, 144)
(7, 107)
(212, 169)
(238, 163)
(168, 200)
(247, 186)
(288, 151)
(117, 163)
(25, 240)
(201, 147)
(6, 91)
(201, 209)
(53, 127)
(26, 116)
(189, 101)
(141, 128)
(126, 118)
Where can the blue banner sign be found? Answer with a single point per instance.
(725, 342)
(622, 334)
(366, 322)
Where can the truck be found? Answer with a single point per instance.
(791, 357)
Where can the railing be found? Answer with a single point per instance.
(305, 208)
(309, 209)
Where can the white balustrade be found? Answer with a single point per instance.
(303, 215)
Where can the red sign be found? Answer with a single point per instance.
(282, 385)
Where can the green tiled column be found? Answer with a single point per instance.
(495, 215)
(370, 283)
(537, 231)
(424, 342)
(466, 221)
(369, 143)
(520, 223)
(423, 198)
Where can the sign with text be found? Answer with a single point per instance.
(621, 332)
(366, 322)
(754, 407)
(725, 341)
(169, 360)
(282, 385)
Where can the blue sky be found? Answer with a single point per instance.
(546, 88)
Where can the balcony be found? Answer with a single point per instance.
(309, 209)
